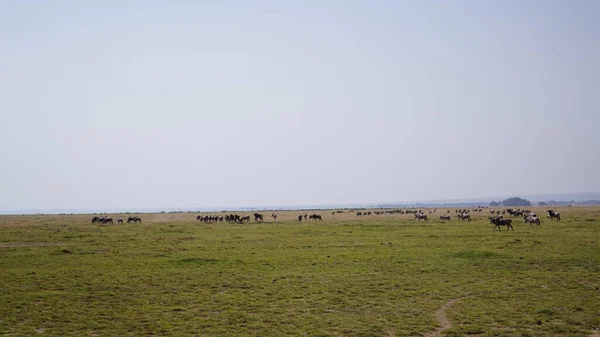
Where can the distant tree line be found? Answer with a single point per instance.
(572, 203)
(511, 202)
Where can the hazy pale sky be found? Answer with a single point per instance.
(131, 104)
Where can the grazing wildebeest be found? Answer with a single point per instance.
(532, 220)
(445, 217)
(464, 216)
(300, 218)
(553, 215)
(274, 216)
(120, 221)
(305, 216)
(108, 220)
(420, 216)
(95, 219)
(245, 218)
(497, 222)
(258, 216)
(315, 217)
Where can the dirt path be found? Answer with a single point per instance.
(440, 316)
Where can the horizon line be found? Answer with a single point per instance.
(185, 209)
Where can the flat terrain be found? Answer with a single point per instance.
(378, 275)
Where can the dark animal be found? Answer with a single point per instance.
(95, 219)
(120, 221)
(258, 216)
(420, 216)
(300, 218)
(532, 220)
(553, 215)
(315, 217)
(498, 222)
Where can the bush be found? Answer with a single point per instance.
(516, 202)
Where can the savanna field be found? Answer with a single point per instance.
(378, 275)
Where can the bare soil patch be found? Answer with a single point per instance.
(440, 316)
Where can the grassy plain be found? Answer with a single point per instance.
(379, 275)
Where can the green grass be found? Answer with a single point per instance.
(371, 276)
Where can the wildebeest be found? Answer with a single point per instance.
(102, 220)
(464, 216)
(532, 220)
(120, 221)
(274, 216)
(420, 216)
(553, 215)
(134, 219)
(300, 218)
(245, 218)
(445, 217)
(315, 217)
(498, 221)
(232, 218)
(210, 218)
(258, 216)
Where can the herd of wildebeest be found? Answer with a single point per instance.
(106, 220)
(497, 219)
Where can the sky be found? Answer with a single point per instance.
(142, 104)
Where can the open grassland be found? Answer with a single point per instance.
(380, 275)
